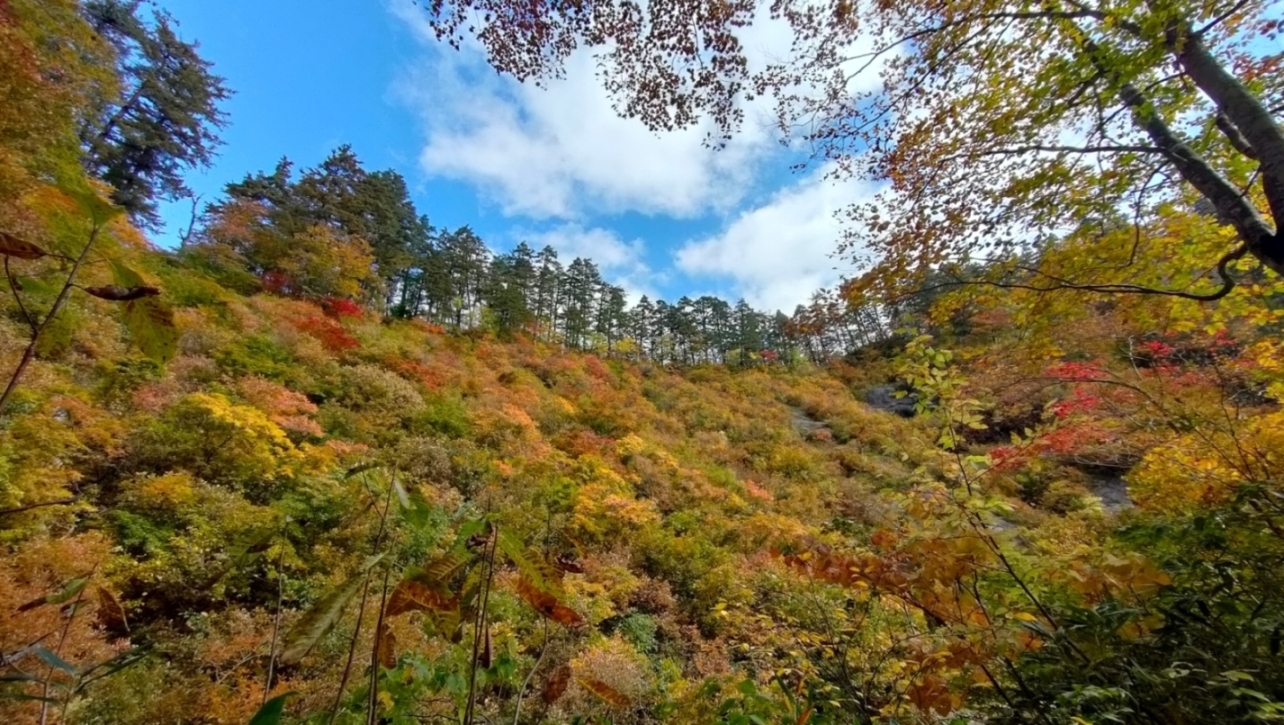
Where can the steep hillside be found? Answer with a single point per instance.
(212, 500)
(311, 499)
(327, 463)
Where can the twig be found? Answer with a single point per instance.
(276, 623)
(374, 652)
(517, 715)
(42, 504)
(30, 352)
(480, 626)
(62, 639)
(374, 649)
(17, 297)
(361, 610)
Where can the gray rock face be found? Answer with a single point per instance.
(804, 423)
(883, 397)
(1113, 493)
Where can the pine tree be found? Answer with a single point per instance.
(165, 118)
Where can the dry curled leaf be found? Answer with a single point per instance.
(111, 615)
(387, 647)
(547, 604)
(116, 293)
(556, 684)
(11, 246)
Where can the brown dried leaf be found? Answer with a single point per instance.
(413, 595)
(442, 569)
(568, 564)
(111, 615)
(116, 293)
(11, 246)
(556, 684)
(548, 605)
(386, 643)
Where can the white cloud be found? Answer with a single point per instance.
(562, 151)
(777, 254)
(621, 262)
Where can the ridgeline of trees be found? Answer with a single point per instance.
(340, 231)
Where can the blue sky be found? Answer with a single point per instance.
(660, 214)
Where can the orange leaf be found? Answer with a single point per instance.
(610, 695)
(414, 596)
(548, 605)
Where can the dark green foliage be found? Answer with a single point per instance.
(443, 415)
(166, 117)
(640, 630)
(1210, 643)
(272, 711)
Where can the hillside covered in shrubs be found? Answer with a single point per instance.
(324, 463)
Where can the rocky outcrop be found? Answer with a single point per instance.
(883, 397)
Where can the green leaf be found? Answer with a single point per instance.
(321, 618)
(361, 468)
(24, 697)
(72, 588)
(55, 336)
(272, 711)
(38, 286)
(540, 575)
(54, 660)
(123, 275)
(150, 320)
(109, 667)
(466, 531)
(403, 498)
(419, 513)
(91, 203)
(151, 324)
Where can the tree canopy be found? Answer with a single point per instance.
(994, 128)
